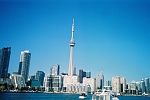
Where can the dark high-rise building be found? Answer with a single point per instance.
(4, 61)
(40, 77)
(81, 75)
(146, 85)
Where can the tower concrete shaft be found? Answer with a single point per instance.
(72, 44)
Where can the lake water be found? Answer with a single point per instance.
(44, 96)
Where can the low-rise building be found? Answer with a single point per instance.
(91, 82)
(17, 80)
(78, 88)
(53, 83)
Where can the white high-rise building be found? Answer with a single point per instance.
(24, 64)
(71, 70)
(142, 85)
(116, 84)
(55, 70)
(100, 81)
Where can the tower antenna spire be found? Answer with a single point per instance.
(72, 38)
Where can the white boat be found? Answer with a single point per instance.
(82, 96)
(104, 95)
(145, 94)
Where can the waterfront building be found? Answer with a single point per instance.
(17, 80)
(88, 74)
(71, 70)
(40, 77)
(35, 83)
(55, 70)
(100, 81)
(116, 84)
(91, 82)
(123, 84)
(142, 86)
(78, 88)
(81, 75)
(67, 80)
(133, 87)
(138, 87)
(147, 85)
(5, 80)
(4, 61)
(53, 83)
(24, 64)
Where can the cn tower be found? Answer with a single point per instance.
(72, 44)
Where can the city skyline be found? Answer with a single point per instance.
(110, 36)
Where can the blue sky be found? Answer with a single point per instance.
(112, 36)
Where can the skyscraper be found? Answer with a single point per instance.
(72, 44)
(55, 70)
(123, 84)
(24, 64)
(40, 77)
(116, 84)
(4, 61)
(81, 75)
(100, 81)
(142, 85)
(146, 85)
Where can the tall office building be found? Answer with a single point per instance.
(146, 85)
(123, 84)
(40, 77)
(81, 75)
(72, 44)
(142, 86)
(24, 64)
(100, 81)
(55, 70)
(116, 84)
(4, 61)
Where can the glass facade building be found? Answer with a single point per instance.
(4, 61)
(24, 64)
(40, 77)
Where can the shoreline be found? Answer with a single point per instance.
(60, 93)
